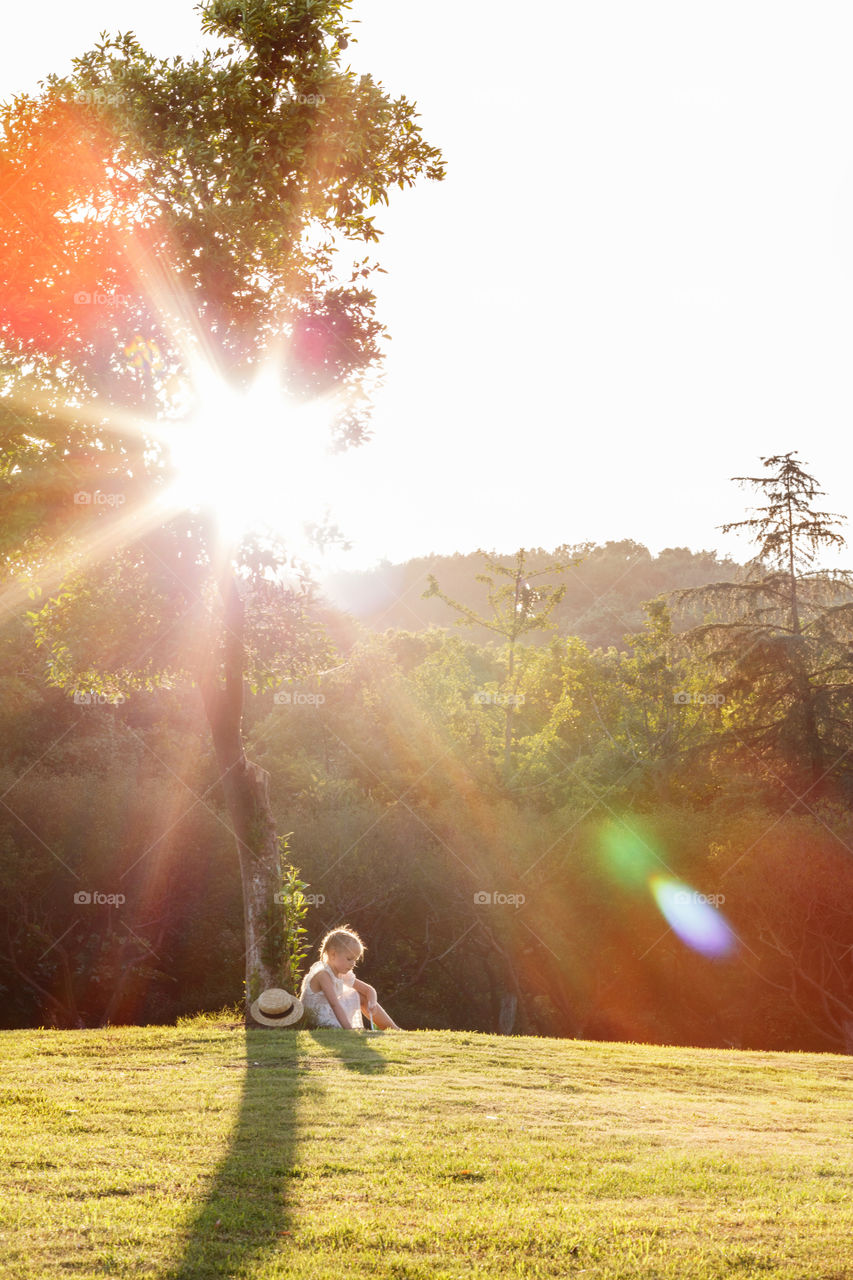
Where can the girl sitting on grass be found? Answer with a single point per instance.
(334, 993)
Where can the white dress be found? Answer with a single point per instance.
(346, 993)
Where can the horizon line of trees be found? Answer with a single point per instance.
(602, 602)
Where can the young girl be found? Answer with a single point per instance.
(333, 991)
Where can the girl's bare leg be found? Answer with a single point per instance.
(381, 1019)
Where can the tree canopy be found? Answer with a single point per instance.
(175, 235)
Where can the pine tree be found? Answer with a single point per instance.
(780, 638)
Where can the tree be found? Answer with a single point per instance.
(517, 608)
(170, 226)
(780, 638)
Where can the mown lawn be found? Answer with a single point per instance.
(201, 1151)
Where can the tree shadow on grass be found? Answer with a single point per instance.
(248, 1211)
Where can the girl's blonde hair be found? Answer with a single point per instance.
(337, 938)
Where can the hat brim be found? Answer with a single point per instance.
(286, 1019)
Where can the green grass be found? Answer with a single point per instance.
(203, 1151)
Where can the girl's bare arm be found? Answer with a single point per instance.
(364, 988)
(328, 989)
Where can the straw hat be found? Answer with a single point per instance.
(276, 1008)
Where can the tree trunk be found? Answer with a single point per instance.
(509, 710)
(246, 788)
(805, 693)
(506, 992)
(815, 767)
(506, 1017)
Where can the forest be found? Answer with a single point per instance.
(503, 816)
(584, 791)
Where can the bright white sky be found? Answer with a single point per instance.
(636, 279)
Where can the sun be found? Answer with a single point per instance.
(255, 459)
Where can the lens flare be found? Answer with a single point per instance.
(693, 917)
(628, 857)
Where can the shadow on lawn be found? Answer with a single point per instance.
(248, 1211)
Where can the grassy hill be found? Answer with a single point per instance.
(203, 1151)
